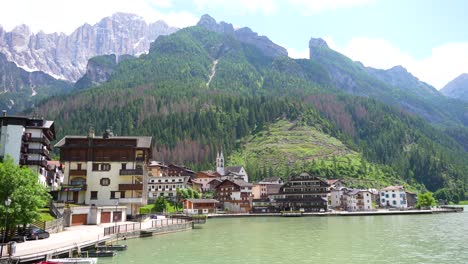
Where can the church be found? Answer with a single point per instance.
(230, 173)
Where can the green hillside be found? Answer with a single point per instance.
(198, 91)
(286, 147)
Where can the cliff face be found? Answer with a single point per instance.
(66, 56)
(457, 88)
(20, 89)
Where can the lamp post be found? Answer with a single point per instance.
(115, 216)
(7, 204)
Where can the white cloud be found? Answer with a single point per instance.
(444, 63)
(65, 16)
(298, 54)
(311, 7)
(243, 7)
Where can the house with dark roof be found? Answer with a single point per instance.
(303, 192)
(105, 170)
(234, 195)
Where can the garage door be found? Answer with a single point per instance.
(79, 219)
(105, 217)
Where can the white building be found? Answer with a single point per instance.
(393, 196)
(166, 186)
(358, 200)
(351, 199)
(105, 171)
(27, 142)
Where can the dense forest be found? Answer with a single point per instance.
(169, 95)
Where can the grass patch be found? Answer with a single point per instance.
(463, 203)
(45, 217)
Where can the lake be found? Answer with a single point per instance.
(438, 238)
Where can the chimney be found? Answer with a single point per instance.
(4, 112)
(91, 132)
(108, 133)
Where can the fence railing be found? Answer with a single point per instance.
(118, 229)
(167, 221)
(156, 223)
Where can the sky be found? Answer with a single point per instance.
(427, 37)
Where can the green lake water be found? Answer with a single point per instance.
(438, 238)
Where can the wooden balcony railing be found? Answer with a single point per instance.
(131, 187)
(131, 172)
(78, 173)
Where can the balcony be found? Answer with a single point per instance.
(42, 139)
(28, 162)
(131, 200)
(131, 187)
(78, 173)
(131, 172)
(74, 187)
(43, 152)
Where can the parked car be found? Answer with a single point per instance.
(35, 234)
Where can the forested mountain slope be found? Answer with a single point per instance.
(198, 91)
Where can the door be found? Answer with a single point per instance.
(105, 217)
(75, 197)
(79, 219)
(117, 216)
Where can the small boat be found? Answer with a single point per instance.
(71, 260)
(112, 247)
(100, 253)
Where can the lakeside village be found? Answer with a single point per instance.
(112, 177)
(108, 179)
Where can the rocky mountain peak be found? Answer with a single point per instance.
(245, 35)
(318, 43)
(206, 21)
(66, 56)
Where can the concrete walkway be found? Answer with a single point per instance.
(70, 238)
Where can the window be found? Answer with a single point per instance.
(105, 167)
(383, 200)
(122, 194)
(393, 195)
(124, 166)
(115, 194)
(93, 195)
(101, 167)
(105, 182)
(78, 166)
(394, 202)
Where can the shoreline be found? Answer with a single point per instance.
(344, 213)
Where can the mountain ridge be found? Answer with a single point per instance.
(65, 57)
(457, 88)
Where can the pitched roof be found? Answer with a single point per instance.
(332, 181)
(210, 173)
(235, 169)
(202, 200)
(271, 179)
(393, 188)
(242, 183)
(142, 142)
